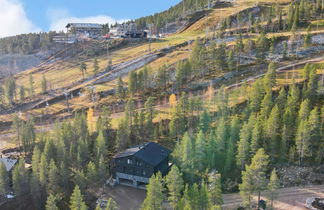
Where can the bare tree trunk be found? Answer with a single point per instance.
(259, 195)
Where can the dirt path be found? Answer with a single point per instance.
(293, 198)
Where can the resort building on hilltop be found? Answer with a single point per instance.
(91, 30)
(127, 30)
(135, 166)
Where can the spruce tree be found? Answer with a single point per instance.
(44, 84)
(20, 178)
(254, 177)
(31, 85)
(272, 132)
(51, 203)
(303, 140)
(95, 66)
(270, 77)
(315, 132)
(175, 186)
(215, 189)
(273, 186)
(120, 88)
(231, 61)
(308, 37)
(200, 152)
(76, 200)
(154, 196)
(83, 69)
(53, 178)
(243, 147)
(204, 121)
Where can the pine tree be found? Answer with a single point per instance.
(272, 132)
(123, 135)
(315, 132)
(215, 189)
(270, 77)
(92, 173)
(266, 105)
(83, 69)
(175, 186)
(281, 100)
(243, 147)
(95, 66)
(308, 37)
(120, 88)
(231, 61)
(304, 111)
(273, 186)
(53, 178)
(76, 200)
(303, 140)
(44, 84)
(51, 203)
(256, 95)
(20, 178)
(256, 137)
(200, 152)
(100, 148)
(43, 170)
(187, 152)
(22, 93)
(291, 15)
(154, 196)
(4, 179)
(204, 121)
(91, 122)
(262, 47)
(31, 85)
(254, 177)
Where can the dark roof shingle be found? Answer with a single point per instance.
(150, 153)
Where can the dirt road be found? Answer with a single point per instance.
(293, 198)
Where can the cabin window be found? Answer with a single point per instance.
(144, 173)
(129, 161)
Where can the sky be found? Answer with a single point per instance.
(25, 16)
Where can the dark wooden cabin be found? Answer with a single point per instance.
(136, 165)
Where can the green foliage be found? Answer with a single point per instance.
(254, 177)
(51, 203)
(175, 186)
(20, 179)
(83, 69)
(44, 84)
(111, 205)
(31, 85)
(120, 88)
(76, 200)
(273, 186)
(154, 197)
(215, 189)
(95, 66)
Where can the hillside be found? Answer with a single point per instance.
(235, 92)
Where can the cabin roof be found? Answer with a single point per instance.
(149, 152)
(9, 163)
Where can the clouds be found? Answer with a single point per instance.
(13, 19)
(60, 17)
